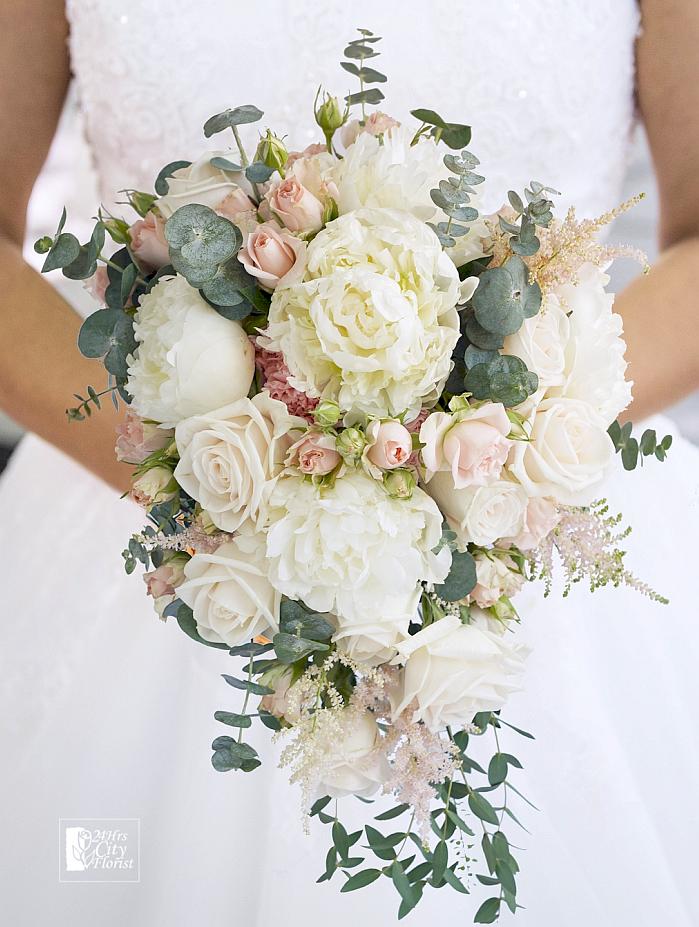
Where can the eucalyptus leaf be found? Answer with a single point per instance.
(372, 95)
(290, 648)
(487, 341)
(258, 172)
(461, 578)
(241, 115)
(201, 236)
(233, 719)
(223, 164)
(161, 181)
(185, 619)
(65, 250)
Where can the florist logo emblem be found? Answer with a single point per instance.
(99, 850)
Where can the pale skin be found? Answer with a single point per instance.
(40, 367)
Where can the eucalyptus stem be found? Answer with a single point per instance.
(137, 279)
(246, 699)
(244, 160)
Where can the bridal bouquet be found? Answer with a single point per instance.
(361, 415)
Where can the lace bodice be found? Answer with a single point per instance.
(546, 84)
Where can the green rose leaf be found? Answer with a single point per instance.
(290, 648)
(241, 115)
(461, 578)
(161, 184)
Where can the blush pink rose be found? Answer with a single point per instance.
(391, 445)
(137, 439)
(314, 454)
(296, 207)
(97, 284)
(163, 581)
(273, 255)
(234, 203)
(308, 152)
(148, 242)
(473, 445)
(376, 124)
(540, 518)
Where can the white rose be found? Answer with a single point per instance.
(189, 359)
(229, 456)
(480, 514)
(352, 550)
(200, 183)
(229, 592)
(374, 325)
(595, 369)
(497, 576)
(542, 341)
(568, 452)
(154, 486)
(453, 671)
(389, 172)
(372, 639)
(354, 763)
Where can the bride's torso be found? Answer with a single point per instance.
(548, 85)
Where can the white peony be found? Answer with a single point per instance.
(201, 183)
(354, 763)
(480, 514)
(374, 325)
(542, 342)
(229, 592)
(352, 550)
(595, 369)
(568, 452)
(189, 359)
(228, 457)
(454, 670)
(390, 173)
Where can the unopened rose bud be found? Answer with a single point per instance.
(350, 444)
(154, 486)
(399, 484)
(330, 116)
(141, 202)
(272, 151)
(327, 412)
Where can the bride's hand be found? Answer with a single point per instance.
(661, 309)
(40, 367)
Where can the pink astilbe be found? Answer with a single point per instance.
(275, 379)
(586, 540)
(193, 538)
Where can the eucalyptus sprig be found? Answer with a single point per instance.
(633, 450)
(358, 51)
(454, 196)
(538, 211)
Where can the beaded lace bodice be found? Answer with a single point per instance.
(548, 85)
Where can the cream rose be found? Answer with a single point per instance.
(201, 183)
(352, 550)
(497, 576)
(480, 514)
(595, 369)
(374, 325)
(542, 341)
(453, 671)
(189, 359)
(354, 763)
(568, 452)
(229, 593)
(229, 457)
(472, 444)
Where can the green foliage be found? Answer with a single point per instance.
(504, 298)
(632, 450)
(233, 293)
(301, 633)
(161, 184)
(504, 378)
(358, 51)
(454, 195)
(538, 211)
(453, 134)
(231, 119)
(185, 619)
(84, 410)
(224, 164)
(461, 578)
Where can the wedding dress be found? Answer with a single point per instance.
(107, 712)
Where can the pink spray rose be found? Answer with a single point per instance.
(390, 444)
(540, 518)
(97, 284)
(308, 152)
(137, 439)
(233, 204)
(273, 255)
(472, 444)
(162, 582)
(296, 207)
(314, 454)
(376, 124)
(148, 242)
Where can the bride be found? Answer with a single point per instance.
(106, 711)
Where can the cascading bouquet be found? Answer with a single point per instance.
(361, 416)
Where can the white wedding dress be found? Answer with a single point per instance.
(107, 712)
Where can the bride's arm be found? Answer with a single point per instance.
(661, 310)
(40, 367)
